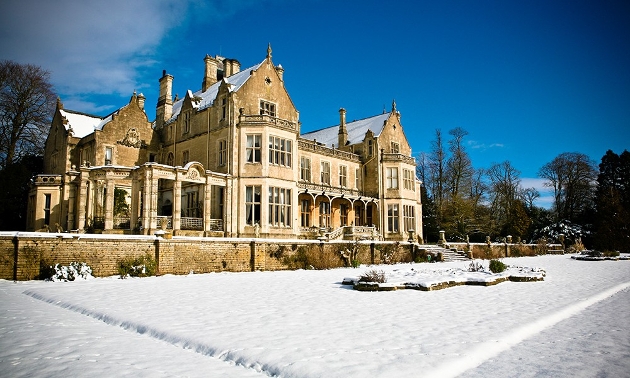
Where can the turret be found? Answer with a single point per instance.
(342, 137)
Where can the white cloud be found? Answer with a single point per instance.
(482, 146)
(88, 46)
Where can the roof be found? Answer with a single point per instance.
(356, 130)
(206, 99)
(82, 124)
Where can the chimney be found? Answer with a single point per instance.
(210, 77)
(231, 67)
(165, 101)
(342, 137)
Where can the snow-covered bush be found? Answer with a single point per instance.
(475, 267)
(74, 271)
(373, 276)
(572, 232)
(142, 266)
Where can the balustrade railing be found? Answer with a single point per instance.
(399, 157)
(264, 118)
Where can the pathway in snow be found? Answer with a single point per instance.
(493, 348)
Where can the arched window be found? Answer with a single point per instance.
(169, 159)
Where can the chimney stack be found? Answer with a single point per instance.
(164, 109)
(210, 76)
(342, 137)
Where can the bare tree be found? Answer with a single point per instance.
(572, 177)
(437, 173)
(459, 166)
(27, 103)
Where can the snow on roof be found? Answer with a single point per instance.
(206, 98)
(356, 130)
(82, 124)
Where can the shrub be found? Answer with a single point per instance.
(74, 271)
(143, 266)
(373, 276)
(497, 266)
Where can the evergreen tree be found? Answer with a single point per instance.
(612, 200)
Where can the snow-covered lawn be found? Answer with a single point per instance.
(307, 324)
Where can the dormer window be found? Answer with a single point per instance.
(267, 108)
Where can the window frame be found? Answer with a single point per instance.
(279, 207)
(325, 172)
(253, 151)
(393, 220)
(268, 108)
(253, 204)
(392, 177)
(305, 168)
(222, 158)
(343, 176)
(280, 151)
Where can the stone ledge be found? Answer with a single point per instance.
(374, 286)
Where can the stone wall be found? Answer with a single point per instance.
(25, 255)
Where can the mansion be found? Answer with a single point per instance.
(226, 160)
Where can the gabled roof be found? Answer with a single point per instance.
(82, 124)
(206, 99)
(356, 130)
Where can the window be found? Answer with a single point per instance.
(222, 152)
(169, 159)
(254, 143)
(109, 154)
(343, 176)
(370, 147)
(267, 108)
(409, 218)
(252, 205)
(392, 218)
(358, 211)
(53, 160)
(151, 158)
(325, 174)
(185, 157)
(223, 108)
(368, 216)
(392, 178)
(305, 213)
(324, 214)
(280, 207)
(47, 209)
(193, 206)
(408, 179)
(305, 169)
(343, 215)
(395, 148)
(186, 128)
(357, 180)
(280, 151)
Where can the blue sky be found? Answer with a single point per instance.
(527, 79)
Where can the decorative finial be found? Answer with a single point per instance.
(393, 106)
(269, 51)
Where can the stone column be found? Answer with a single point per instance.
(177, 204)
(84, 186)
(109, 204)
(135, 203)
(207, 206)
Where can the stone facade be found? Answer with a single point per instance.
(227, 160)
